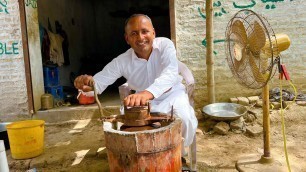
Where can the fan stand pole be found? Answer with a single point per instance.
(266, 157)
(253, 163)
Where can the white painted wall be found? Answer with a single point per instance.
(285, 16)
(13, 92)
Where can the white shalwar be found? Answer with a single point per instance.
(157, 75)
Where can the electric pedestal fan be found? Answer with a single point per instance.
(252, 50)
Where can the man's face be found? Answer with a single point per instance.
(139, 34)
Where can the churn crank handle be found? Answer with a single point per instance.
(92, 83)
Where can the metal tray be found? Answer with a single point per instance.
(224, 111)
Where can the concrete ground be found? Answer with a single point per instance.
(74, 141)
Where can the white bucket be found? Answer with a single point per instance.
(3, 161)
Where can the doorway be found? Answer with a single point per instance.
(93, 32)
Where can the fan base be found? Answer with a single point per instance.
(252, 163)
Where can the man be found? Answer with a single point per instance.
(151, 68)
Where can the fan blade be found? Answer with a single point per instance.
(257, 39)
(238, 28)
(239, 54)
(258, 76)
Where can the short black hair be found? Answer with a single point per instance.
(136, 15)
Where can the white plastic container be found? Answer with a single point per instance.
(3, 160)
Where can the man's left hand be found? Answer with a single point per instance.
(138, 99)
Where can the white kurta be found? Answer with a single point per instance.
(157, 75)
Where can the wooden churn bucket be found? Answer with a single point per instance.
(149, 150)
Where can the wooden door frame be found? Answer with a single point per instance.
(25, 48)
(172, 20)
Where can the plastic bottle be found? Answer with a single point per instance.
(3, 160)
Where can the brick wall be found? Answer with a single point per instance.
(288, 16)
(13, 93)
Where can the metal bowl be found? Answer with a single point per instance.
(224, 111)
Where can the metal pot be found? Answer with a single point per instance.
(3, 134)
(47, 101)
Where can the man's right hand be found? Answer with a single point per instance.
(138, 99)
(84, 83)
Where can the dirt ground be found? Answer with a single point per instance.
(65, 142)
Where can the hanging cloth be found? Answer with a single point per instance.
(56, 50)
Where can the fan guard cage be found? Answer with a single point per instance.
(264, 59)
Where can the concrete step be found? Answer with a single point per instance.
(78, 112)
